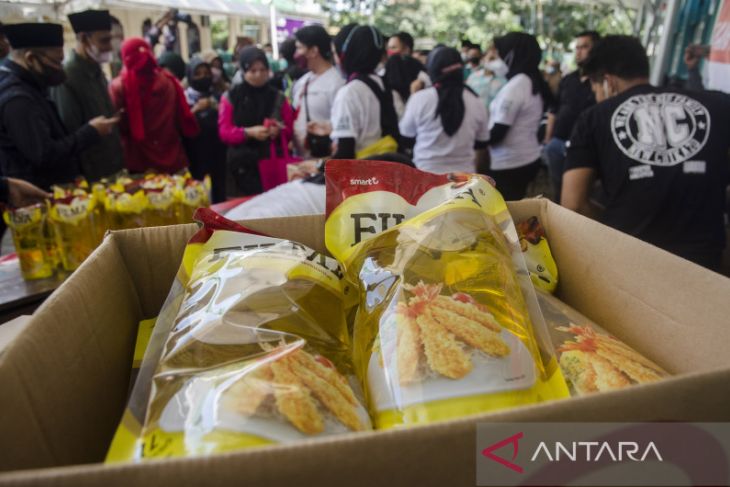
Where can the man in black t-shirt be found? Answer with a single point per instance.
(661, 155)
(574, 96)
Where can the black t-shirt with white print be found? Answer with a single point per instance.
(662, 157)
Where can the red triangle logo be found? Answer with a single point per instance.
(512, 440)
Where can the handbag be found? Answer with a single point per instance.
(319, 145)
(272, 171)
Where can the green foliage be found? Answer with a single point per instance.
(555, 22)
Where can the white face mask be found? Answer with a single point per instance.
(98, 56)
(217, 74)
(498, 67)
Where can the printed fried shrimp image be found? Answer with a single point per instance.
(329, 396)
(622, 359)
(460, 303)
(636, 372)
(409, 347)
(246, 395)
(614, 346)
(608, 377)
(443, 353)
(327, 373)
(578, 369)
(470, 311)
(294, 401)
(471, 332)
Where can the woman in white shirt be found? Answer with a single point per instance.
(515, 115)
(362, 112)
(314, 94)
(447, 122)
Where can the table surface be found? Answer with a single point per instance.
(18, 296)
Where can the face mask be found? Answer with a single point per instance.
(301, 61)
(498, 67)
(202, 85)
(217, 74)
(474, 61)
(97, 56)
(50, 76)
(550, 70)
(392, 52)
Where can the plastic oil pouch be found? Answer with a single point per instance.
(193, 195)
(162, 205)
(448, 323)
(538, 257)
(592, 360)
(31, 237)
(251, 348)
(126, 206)
(74, 228)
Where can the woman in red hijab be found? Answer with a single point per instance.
(157, 115)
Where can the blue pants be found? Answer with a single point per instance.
(554, 156)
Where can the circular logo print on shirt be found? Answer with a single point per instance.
(661, 129)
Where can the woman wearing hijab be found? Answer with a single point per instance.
(156, 113)
(171, 61)
(400, 73)
(251, 114)
(515, 115)
(206, 151)
(362, 112)
(447, 122)
(221, 83)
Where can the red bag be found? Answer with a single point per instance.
(273, 170)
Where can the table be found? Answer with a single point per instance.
(20, 297)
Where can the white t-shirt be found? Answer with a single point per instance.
(515, 105)
(356, 114)
(434, 150)
(321, 93)
(400, 107)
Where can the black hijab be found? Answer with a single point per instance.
(362, 50)
(251, 105)
(400, 72)
(446, 70)
(194, 64)
(522, 54)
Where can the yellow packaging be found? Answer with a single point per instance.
(538, 258)
(161, 200)
(593, 360)
(250, 348)
(193, 195)
(74, 228)
(31, 238)
(126, 207)
(448, 322)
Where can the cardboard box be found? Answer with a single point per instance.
(64, 380)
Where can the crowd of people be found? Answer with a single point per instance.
(660, 154)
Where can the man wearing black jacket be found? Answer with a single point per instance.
(34, 144)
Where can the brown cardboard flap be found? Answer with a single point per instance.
(153, 256)
(673, 311)
(436, 455)
(64, 380)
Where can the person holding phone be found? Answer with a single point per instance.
(251, 114)
(85, 93)
(35, 146)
